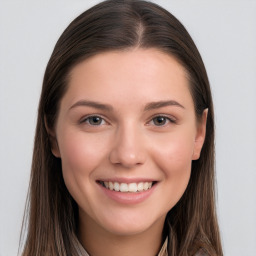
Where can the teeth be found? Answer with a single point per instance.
(110, 185)
(140, 186)
(116, 186)
(127, 187)
(145, 186)
(132, 187)
(123, 187)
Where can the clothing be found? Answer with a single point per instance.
(163, 252)
(82, 252)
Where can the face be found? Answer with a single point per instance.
(126, 134)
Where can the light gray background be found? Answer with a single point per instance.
(225, 33)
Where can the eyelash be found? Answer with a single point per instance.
(88, 118)
(165, 118)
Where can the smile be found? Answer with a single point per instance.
(127, 187)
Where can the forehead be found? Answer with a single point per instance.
(144, 74)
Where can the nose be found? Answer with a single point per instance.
(128, 148)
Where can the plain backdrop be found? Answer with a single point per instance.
(225, 33)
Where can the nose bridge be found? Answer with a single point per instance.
(128, 147)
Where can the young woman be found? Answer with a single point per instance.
(123, 159)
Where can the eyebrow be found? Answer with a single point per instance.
(94, 104)
(161, 104)
(107, 107)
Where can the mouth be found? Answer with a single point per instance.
(127, 187)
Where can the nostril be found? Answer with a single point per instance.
(125, 158)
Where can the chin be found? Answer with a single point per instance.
(127, 230)
(130, 225)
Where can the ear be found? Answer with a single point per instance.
(200, 136)
(53, 140)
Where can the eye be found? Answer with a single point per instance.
(94, 120)
(161, 120)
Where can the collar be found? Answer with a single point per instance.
(163, 251)
(82, 252)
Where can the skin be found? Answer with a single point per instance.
(127, 142)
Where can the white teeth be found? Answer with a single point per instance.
(132, 187)
(116, 186)
(123, 187)
(140, 186)
(110, 185)
(145, 186)
(127, 187)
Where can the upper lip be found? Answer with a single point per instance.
(127, 180)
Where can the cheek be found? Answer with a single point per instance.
(80, 153)
(80, 156)
(177, 164)
(174, 154)
(174, 158)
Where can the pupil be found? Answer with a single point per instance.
(95, 120)
(160, 120)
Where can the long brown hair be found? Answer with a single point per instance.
(51, 212)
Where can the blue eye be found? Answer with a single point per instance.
(94, 120)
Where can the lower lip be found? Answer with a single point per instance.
(128, 197)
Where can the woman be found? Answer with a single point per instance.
(123, 159)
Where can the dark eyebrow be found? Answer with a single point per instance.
(160, 104)
(149, 106)
(93, 104)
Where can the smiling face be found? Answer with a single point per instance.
(126, 135)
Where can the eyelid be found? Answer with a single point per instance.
(85, 118)
(170, 118)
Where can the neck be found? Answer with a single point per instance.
(97, 241)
